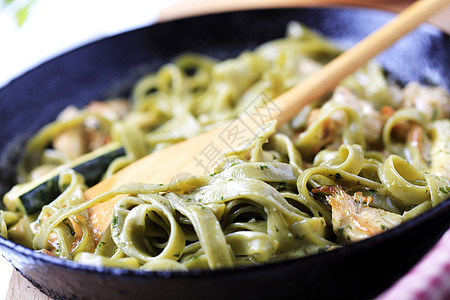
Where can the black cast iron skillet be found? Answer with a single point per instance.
(109, 67)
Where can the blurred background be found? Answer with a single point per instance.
(34, 31)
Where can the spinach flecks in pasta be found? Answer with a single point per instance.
(366, 158)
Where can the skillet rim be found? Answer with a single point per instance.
(442, 208)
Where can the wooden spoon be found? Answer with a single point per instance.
(198, 154)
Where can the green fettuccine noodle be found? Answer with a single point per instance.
(362, 160)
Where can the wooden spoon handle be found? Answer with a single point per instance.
(197, 155)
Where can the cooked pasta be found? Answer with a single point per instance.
(362, 160)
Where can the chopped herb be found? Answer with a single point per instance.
(72, 232)
(383, 227)
(444, 190)
(100, 244)
(212, 174)
(114, 222)
(281, 185)
(299, 237)
(232, 165)
(264, 167)
(434, 115)
(337, 176)
(221, 198)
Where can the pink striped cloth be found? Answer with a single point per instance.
(428, 280)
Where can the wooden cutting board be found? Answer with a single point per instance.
(19, 287)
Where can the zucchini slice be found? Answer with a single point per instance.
(29, 198)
